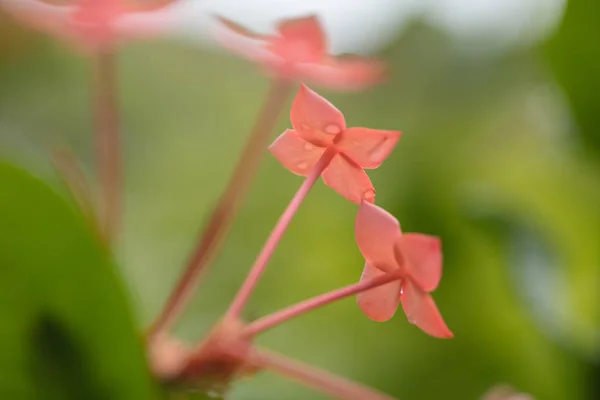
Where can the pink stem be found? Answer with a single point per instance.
(293, 311)
(260, 264)
(70, 170)
(108, 145)
(316, 378)
(222, 216)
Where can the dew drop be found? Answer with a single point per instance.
(302, 165)
(332, 129)
(305, 127)
(369, 195)
(412, 320)
(308, 147)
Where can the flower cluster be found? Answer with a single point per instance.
(399, 269)
(320, 133)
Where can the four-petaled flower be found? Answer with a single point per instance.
(298, 51)
(416, 257)
(319, 126)
(91, 24)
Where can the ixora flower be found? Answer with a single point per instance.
(90, 24)
(416, 257)
(298, 51)
(320, 127)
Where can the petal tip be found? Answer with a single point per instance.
(444, 334)
(308, 23)
(354, 73)
(304, 89)
(379, 318)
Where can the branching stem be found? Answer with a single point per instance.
(227, 207)
(293, 311)
(323, 381)
(263, 258)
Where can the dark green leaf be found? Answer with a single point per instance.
(67, 330)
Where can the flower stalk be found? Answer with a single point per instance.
(279, 317)
(108, 143)
(263, 258)
(227, 207)
(70, 171)
(319, 379)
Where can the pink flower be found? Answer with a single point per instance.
(416, 257)
(298, 51)
(319, 126)
(91, 24)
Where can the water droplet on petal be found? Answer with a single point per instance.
(369, 195)
(305, 127)
(332, 129)
(302, 165)
(213, 394)
(411, 319)
(308, 147)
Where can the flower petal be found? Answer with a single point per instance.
(152, 6)
(349, 180)
(315, 118)
(344, 73)
(143, 21)
(301, 40)
(420, 309)
(239, 29)
(376, 232)
(423, 256)
(39, 15)
(92, 22)
(295, 153)
(368, 147)
(241, 41)
(380, 303)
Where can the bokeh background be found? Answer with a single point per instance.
(499, 102)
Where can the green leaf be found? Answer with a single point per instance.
(574, 55)
(67, 330)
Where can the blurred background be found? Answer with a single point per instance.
(499, 104)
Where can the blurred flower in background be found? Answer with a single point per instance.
(500, 157)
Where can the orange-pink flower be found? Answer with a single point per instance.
(91, 24)
(320, 126)
(298, 51)
(417, 257)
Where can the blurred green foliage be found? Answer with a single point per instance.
(573, 55)
(498, 157)
(67, 330)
